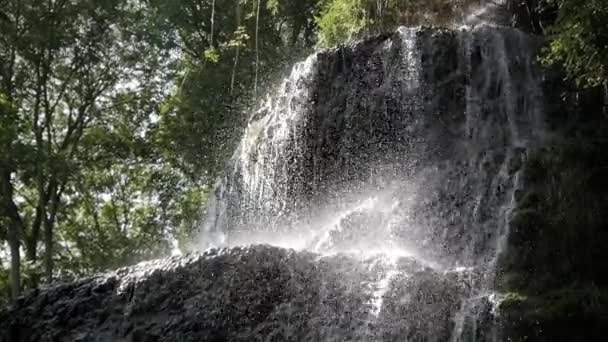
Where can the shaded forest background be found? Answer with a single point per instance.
(116, 116)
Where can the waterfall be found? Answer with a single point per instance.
(403, 151)
(256, 189)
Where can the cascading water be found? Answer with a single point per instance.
(402, 152)
(511, 89)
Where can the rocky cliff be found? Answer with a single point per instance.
(258, 293)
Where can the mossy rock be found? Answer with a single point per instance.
(526, 226)
(535, 169)
(509, 280)
(567, 314)
(598, 180)
(530, 200)
(512, 300)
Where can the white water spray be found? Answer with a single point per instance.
(397, 153)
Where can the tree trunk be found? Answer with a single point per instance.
(212, 22)
(49, 224)
(257, 50)
(31, 241)
(605, 86)
(48, 252)
(32, 238)
(15, 275)
(238, 50)
(234, 67)
(295, 32)
(31, 244)
(14, 232)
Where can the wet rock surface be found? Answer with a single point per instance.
(440, 120)
(414, 140)
(241, 294)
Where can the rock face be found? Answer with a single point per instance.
(422, 131)
(413, 142)
(243, 294)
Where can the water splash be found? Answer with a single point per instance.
(269, 134)
(408, 149)
(256, 187)
(512, 81)
(487, 12)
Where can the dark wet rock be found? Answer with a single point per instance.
(418, 306)
(435, 128)
(241, 294)
(569, 313)
(554, 273)
(453, 112)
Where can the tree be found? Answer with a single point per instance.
(341, 21)
(117, 116)
(11, 228)
(579, 40)
(200, 123)
(61, 64)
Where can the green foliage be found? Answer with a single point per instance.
(116, 117)
(202, 118)
(511, 299)
(342, 20)
(212, 56)
(579, 40)
(79, 84)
